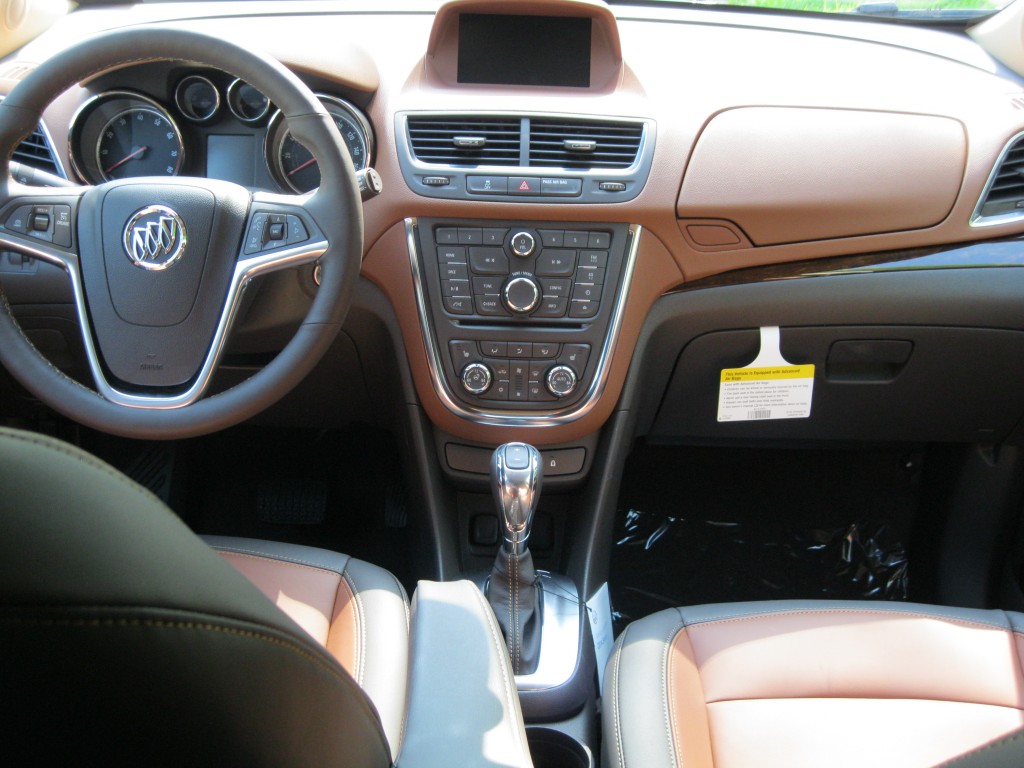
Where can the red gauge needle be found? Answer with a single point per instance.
(124, 160)
(290, 173)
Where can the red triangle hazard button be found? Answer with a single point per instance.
(524, 186)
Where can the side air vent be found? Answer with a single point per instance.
(1005, 192)
(578, 144)
(467, 141)
(36, 152)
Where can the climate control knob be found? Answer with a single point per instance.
(476, 378)
(561, 381)
(523, 244)
(521, 295)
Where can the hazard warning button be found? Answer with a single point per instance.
(523, 185)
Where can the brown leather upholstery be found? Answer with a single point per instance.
(357, 611)
(809, 683)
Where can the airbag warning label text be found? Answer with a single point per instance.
(780, 392)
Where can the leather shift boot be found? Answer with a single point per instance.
(515, 596)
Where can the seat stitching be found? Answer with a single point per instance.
(499, 646)
(295, 561)
(165, 624)
(616, 708)
(725, 619)
(82, 458)
(668, 697)
(360, 615)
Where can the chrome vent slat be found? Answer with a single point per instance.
(36, 152)
(432, 141)
(1005, 193)
(617, 144)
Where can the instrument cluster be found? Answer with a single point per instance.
(211, 126)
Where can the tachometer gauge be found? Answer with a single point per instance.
(122, 134)
(140, 141)
(292, 164)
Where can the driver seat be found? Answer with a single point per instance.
(127, 640)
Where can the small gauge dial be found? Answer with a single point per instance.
(121, 134)
(139, 141)
(197, 98)
(294, 166)
(246, 102)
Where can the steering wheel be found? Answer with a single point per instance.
(158, 265)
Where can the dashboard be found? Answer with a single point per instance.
(551, 170)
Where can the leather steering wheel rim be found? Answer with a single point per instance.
(335, 208)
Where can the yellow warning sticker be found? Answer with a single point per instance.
(765, 393)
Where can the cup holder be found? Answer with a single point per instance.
(553, 749)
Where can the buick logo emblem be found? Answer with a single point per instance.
(154, 237)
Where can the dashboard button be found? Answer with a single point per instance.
(599, 240)
(594, 259)
(487, 284)
(612, 186)
(518, 349)
(561, 187)
(446, 235)
(594, 275)
(463, 353)
(486, 260)
(458, 305)
(561, 381)
(487, 185)
(493, 236)
(538, 393)
(498, 391)
(476, 378)
(586, 292)
(469, 236)
(450, 270)
(577, 239)
(555, 286)
(556, 263)
(551, 307)
(501, 368)
(545, 349)
(564, 461)
(584, 308)
(538, 369)
(436, 181)
(575, 355)
(489, 304)
(523, 185)
(494, 348)
(451, 253)
(523, 244)
(521, 295)
(455, 287)
(551, 238)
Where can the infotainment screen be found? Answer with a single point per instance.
(500, 49)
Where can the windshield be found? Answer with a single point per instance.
(919, 9)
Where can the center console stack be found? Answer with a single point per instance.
(520, 314)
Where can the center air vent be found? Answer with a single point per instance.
(467, 141)
(1005, 193)
(578, 144)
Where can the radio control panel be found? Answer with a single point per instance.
(520, 309)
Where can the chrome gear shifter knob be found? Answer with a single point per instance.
(515, 482)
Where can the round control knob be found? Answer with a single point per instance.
(561, 381)
(521, 294)
(476, 378)
(523, 244)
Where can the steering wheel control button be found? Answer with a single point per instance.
(296, 230)
(556, 263)
(40, 221)
(485, 260)
(521, 295)
(561, 381)
(523, 244)
(476, 378)
(254, 238)
(62, 225)
(154, 238)
(18, 221)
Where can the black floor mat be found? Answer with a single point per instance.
(702, 525)
(334, 489)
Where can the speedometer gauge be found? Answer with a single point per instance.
(140, 141)
(292, 164)
(122, 134)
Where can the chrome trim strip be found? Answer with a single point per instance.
(552, 418)
(977, 220)
(245, 270)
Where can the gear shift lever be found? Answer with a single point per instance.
(512, 589)
(515, 482)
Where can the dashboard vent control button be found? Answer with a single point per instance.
(437, 181)
(612, 186)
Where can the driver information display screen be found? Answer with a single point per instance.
(499, 49)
